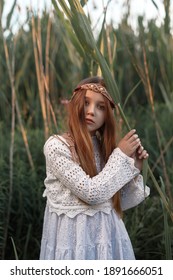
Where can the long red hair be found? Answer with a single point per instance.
(82, 138)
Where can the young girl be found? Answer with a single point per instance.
(90, 181)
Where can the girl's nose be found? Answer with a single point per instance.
(90, 110)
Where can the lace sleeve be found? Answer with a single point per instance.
(118, 171)
(134, 193)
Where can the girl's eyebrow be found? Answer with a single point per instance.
(99, 101)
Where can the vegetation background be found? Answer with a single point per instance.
(40, 66)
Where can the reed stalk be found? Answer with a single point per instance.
(15, 250)
(36, 37)
(47, 70)
(49, 108)
(167, 146)
(167, 233)
(43, 74)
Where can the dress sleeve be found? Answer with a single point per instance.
(134, 193)
(118, 171)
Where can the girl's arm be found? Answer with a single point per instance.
(118, 171)
(133, 193)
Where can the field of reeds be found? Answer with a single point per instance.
(41, 63)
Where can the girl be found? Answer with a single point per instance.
(90, 181)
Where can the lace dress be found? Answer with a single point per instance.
(79, 221)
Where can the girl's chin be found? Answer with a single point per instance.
(92, 132)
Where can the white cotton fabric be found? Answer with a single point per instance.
(79, 221)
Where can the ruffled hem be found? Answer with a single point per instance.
(98, 252)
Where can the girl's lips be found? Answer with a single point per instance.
(89, 121)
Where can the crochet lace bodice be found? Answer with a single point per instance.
(70, 190)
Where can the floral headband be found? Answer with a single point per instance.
(96, 88)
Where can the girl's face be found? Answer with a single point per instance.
(94, 109)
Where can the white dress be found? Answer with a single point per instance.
(80, 222)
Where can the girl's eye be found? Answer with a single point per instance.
(86, 103)
(101, 107)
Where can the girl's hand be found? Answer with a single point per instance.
(129, 143)
(139, 156)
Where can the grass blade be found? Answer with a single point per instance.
(166, 227)
(14, 248)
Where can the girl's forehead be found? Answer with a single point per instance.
(95, 96)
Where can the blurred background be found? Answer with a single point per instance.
(41, 63)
